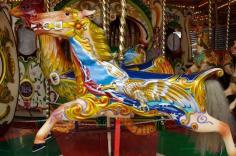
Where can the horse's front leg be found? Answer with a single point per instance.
(55, 117)
(203, 122)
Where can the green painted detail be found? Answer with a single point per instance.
(198, 59)
(143, 7)
(147, 21)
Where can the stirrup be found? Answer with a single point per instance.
(38, 147)
(48, 137)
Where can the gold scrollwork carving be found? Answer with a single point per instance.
(2, 66)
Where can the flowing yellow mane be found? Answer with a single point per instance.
(92, 38)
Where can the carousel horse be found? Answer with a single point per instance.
(223, 59)
(205, 59)
(57, 68)
(135, 56)
(106, 90)
(135, 59)
(52, 56)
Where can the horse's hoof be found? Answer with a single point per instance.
(38, 147)
(48, 137)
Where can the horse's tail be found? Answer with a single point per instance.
(218, 107)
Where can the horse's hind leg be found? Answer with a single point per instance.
(203, 122)
(56, 116)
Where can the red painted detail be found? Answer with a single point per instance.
(77, 63)
(29, 8)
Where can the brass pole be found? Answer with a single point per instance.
(122, 30)
(227, 26)
(210, 23)
(163, 26)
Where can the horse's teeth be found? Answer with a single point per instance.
(33, 25)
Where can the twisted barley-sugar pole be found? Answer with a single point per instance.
(122, 31)
(227, 26)
(47, 84)
(163, 27)
(210, 23)
(108, 19)
(47, 5)
(104, 16)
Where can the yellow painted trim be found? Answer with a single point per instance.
(2, 57)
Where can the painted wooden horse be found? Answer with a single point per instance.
(207, 59)
(57, 68)
(106, 90)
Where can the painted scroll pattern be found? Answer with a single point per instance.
(32, 90)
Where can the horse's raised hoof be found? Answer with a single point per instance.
(48, 137)
(38, 147)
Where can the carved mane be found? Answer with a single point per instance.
(92, 38)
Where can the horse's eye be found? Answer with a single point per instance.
(67, 13)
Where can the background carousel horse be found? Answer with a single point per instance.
(107, 90)
(57, 68)
(204, 60)
(135, 59)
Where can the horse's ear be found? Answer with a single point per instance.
(85, 13)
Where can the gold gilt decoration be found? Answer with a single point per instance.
(53, 59)
(7, 67)
(96, 37)
(7, 71)
(173, 89)
(95, 106)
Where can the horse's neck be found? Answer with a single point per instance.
(97, 41)
(101, 72)
(52, 57)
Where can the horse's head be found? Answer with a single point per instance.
(65, 23)
(28, 8)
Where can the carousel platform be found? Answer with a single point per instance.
(18, 142)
